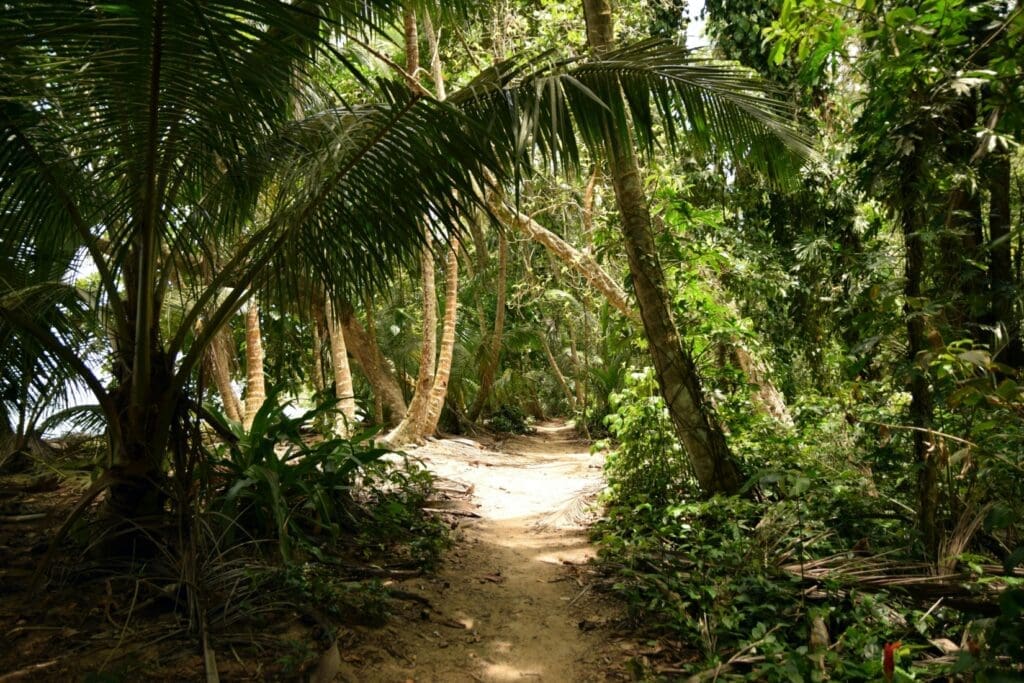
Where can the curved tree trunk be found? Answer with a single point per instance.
(557, 371)
(698, 429)
(218, 362)
(342, 373)
(412, 423)
(766, 396)
(582, 263)
(439, 391)
(255, 382)
(432, 378)
(362, 342)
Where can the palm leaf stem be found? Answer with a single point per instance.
(145, 304)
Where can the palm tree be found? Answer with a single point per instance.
(146, 134)
(715, 108)
(151, 136)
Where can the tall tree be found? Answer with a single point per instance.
(700, 432)
(169, 123)
(255, 378)
(343, 390)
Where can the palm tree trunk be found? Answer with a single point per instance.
(218, 358)
(362, 342)
(698, 429)
(342, 372)
(255, 383)
(412, 423)
(439, 390)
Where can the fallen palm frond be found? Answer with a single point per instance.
(918, 579)
(575, 512)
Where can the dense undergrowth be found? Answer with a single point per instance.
(818, 568)
(281, 526)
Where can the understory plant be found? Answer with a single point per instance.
(277, 486)
(283, 482)
(812, 573)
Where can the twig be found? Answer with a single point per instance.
(411, 597)
(932, 608)
(453, 513)
(124, 629)
(14, 519)
(27, 671)
(579, 595)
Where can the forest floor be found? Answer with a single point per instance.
(513, 598)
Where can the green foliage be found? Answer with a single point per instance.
(509, 420)
(276, 483)
(391, 522)
(647, 465)
(722, 578)
(344, 601)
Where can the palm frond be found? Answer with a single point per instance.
(544, 106)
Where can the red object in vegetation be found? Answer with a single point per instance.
(888, 661)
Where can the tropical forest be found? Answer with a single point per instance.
(520, 340)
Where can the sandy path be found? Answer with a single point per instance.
(510, 596)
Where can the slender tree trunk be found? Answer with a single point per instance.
(371, 324)
(317, 373)
(412, 423)
(255, 384)
(1002, 288)
(920, 394)
(698, 428)
(588, 209)
(342, 373)
(439, 391)
(580, 380)
(493, 352)
(577, 365)
(218, 362)
(412, 44)
(362, 342)
(557, 371)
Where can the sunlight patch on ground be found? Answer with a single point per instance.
(507, 672)
(580, 555)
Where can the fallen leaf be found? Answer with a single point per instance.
(945, 645)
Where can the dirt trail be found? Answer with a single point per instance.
(510, 602)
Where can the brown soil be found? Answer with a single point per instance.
(512, 600)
